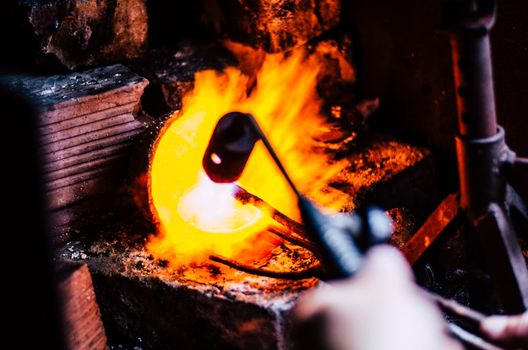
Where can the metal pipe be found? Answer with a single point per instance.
(474, 85)
(482, 181)
(470, 22)
(480, 142)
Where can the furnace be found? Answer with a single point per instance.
(175, 237)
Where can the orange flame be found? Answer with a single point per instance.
(198, 217)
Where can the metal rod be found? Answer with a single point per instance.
(274, 155)
(243, 196)
(454, 308)
(521, 161)
(444, 215)
(310, 272)
(304, 243)
(470, 338)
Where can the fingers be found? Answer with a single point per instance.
(315, 302)
(388, 264)
(508, 329)
(384, 265)
(379, 309)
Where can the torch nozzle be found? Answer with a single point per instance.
(230, 146)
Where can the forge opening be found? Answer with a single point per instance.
(191, 210)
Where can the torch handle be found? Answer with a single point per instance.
(337, 247)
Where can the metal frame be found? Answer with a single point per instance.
(484, 159)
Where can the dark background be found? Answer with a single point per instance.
(405, 59)
(402, 57)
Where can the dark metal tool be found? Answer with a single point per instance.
(342, 240)
(224, 160)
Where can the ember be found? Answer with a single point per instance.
(197, 217)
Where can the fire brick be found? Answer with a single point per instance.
(82, 318)
(88, 122)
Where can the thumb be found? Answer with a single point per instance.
(389, 264)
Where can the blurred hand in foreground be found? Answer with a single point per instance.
(509, 331)
(381, 308)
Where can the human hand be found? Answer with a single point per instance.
(510, 331)
(379, 309)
